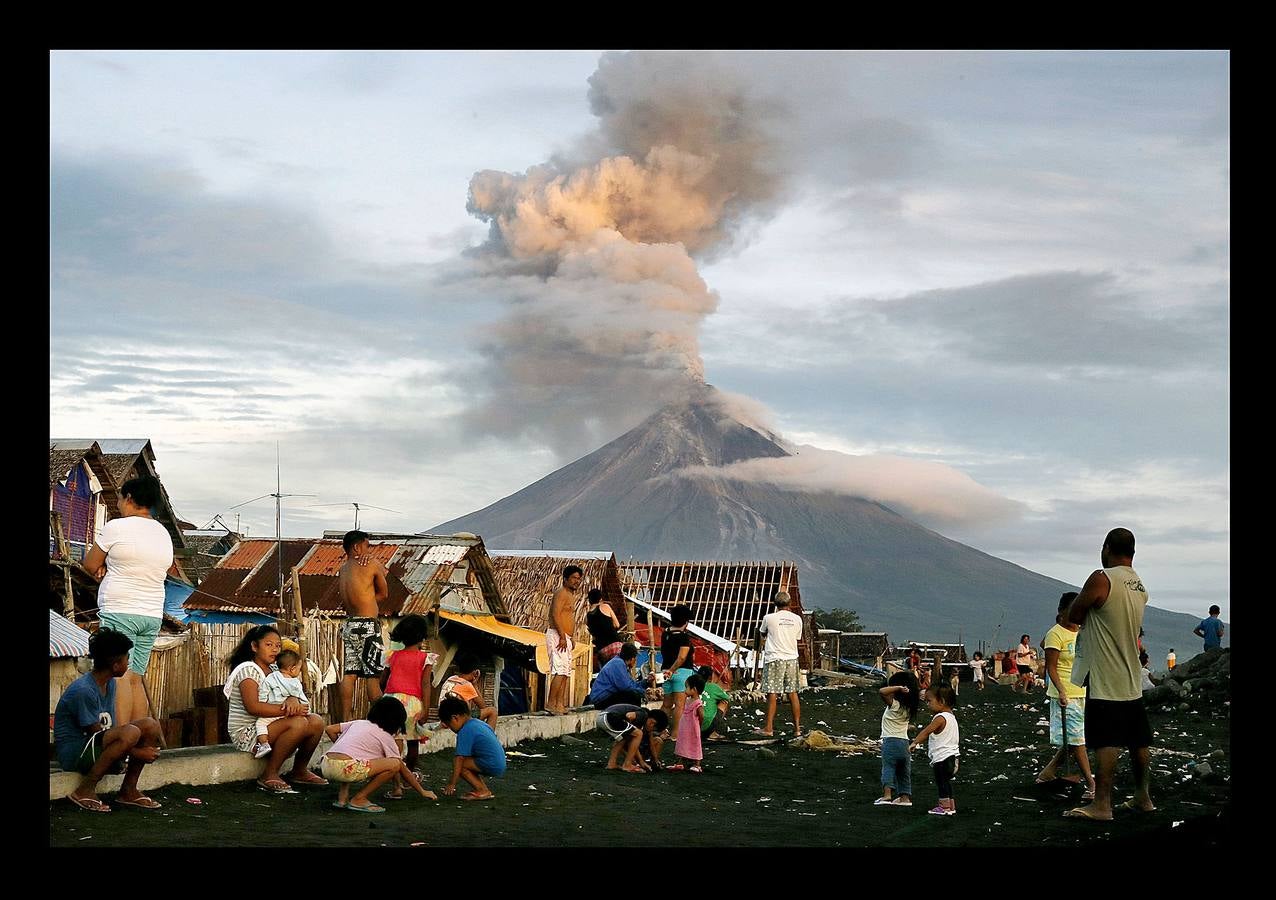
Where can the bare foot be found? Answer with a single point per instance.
(475, 796)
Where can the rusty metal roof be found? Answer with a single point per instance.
(246, 554)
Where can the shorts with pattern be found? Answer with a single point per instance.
(560, 661)
(780, 677)
(608, 652)
(1074, 725)
(414, 731)
(141, 630)
(364, 653)
(346, 770)
(244, 737)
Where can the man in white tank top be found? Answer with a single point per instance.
(1110, 611)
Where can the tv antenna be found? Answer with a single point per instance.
(357, 506)
(279, 543)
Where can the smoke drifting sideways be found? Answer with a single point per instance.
(592, 255)
(932, 493)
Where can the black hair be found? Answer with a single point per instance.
(595, 595)
(680, 615)
(1024, 637)
(706, 673)
(411, 630)
(144, 490)
(913, 698)
(978, 655)
(287, 658)
(352, 539)
(106, 645)
(1171, 649)
(628, 652)
(1143, 657)
(1120, 541)
(388, 714)
(1065, 600)
(696, 682)
(466, 662)
(659, 717)
(244, 651)
(451, 707)
(1214, 610)
(569, 571)
(945, 694)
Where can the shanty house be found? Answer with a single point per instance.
(728, 601)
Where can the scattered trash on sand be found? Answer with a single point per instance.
(764, 799)
(417, 844)
(522, 755)
(1026, 799)
(87, 837)
(194, 800)
(999, 778)
(531, 787)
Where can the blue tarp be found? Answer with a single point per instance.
(233, 618)
(175, 594)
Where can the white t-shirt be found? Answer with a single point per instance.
(977, 666)
(895, 721)
(138, 553)
(782, 629)
(945, 743)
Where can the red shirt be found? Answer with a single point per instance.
(405, 671)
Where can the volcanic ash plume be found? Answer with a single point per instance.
(593, 252)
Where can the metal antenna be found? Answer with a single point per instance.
(279, 495)
(357, 506)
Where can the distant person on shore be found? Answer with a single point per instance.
(1211, 629)
(86, 738)
(676, 655)
(478, 752)
(604, 628)
(131, 556)
(1067, 701)
(977, 664)
(688, 747)
(1170, 660)
(558, 639)
(363, 585)
(716, 703)
(1026, 660)
(409, 682)
(902, 697)
(1110, 610)
(782, 630)
(1145, 673)
(366, 751)
(943, 746)
(616, 682)
(464, 684)
(279, 685)
(915, 662)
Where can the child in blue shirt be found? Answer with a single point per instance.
(478, 752)
(1211, 629)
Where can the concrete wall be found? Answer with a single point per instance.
(223, 763)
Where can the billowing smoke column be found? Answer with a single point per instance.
(594, 252)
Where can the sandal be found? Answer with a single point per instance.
(678, 767)
(370, 808)
(1083, 812)
(89, 805)
(140, 803)
(283, 787)
(696, 770)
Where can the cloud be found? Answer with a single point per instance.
(930, 492)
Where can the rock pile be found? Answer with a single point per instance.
(1203, 682)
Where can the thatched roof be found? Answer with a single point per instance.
(527, 582)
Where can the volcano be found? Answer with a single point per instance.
(900, 576)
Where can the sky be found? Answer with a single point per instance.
(1000, 275)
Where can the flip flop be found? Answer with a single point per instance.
(1088, 795)
(391, 796)
(479, 797)
(696, 770)
(764, 733)
(266, 786)
(96, 806)
(370, 808)
(337, 804)
(140, 803)
(1134, 807)
(1041, 780)
(310, 779)
(1081, 813)
(675, 768)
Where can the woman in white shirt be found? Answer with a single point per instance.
(131, 556)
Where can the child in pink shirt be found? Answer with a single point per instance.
(688, 747)
(365, 750)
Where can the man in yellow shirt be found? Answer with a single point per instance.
(1067, 700)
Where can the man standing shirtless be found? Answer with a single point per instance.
(363, 586)
(559, 641)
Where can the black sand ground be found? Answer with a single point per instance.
(800, 798)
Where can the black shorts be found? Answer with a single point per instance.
(1116, 723)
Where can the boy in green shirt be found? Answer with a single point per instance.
(716, 703)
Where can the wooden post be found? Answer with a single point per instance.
(64, 551)
(306, 684)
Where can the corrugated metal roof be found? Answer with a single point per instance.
(247, 554)
(65, 639)
(329, 556)
(265, 581)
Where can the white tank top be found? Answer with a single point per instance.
(946, 743)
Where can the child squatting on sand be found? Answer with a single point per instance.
(365, 750)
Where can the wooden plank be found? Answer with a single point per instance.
(210, 732)
(173, 727)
